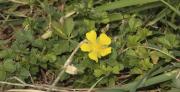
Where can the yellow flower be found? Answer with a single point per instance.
(97, 47)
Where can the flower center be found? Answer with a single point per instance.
(96, 47)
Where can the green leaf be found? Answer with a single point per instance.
(38, 43)
(51, 57)
(33, 56)
(61, 47)
(164, 54)
(172, 38)
(58, 29)
(44, 65)
(68, 26)
(7, 53)
(90, 24)
(122, 3)
(136, 70)
(131, 53)
(72, 44)
(34, 70)
(133, 40)
(113, 55)
(23, 36)
(144, 7)
(60, 61)
(142, 53)
(169, 40)
(98, 72)
(24, 72)
(108, 69)
(143, 33)
(116, 69)
(9, 65)
(145, 64)
(134, 23)
(165, 42)
(133, 62)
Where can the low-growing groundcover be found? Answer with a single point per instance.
(126, 45)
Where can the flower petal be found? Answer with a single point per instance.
(104, 39)
(106, 51)
(93, 56)
(91, 36)
(85, 47)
